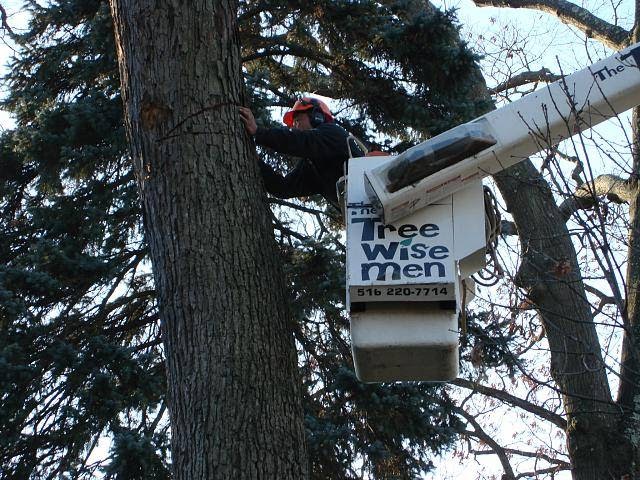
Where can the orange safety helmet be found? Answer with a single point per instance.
(319, 112)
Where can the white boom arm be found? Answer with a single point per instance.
(452, 160)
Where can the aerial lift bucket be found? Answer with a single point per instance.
(404, 281)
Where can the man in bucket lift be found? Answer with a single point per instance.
(315, 138)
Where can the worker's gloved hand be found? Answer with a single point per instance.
(246, 115)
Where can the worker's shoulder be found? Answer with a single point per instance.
(332, 129)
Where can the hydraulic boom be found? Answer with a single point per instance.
(454, 159)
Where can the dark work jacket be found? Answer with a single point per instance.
(323, 151)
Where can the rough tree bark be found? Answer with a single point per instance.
(628, 392)
(235, 404)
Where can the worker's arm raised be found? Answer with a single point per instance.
(327, 140)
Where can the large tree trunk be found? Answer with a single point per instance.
(630, 357)
(550, 274)
(235, 404)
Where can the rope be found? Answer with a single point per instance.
(358, 142)
(493, 272)
(463, 308)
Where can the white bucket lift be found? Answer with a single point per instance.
(415, 222)
(403, 281)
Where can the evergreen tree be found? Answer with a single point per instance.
(79, 346)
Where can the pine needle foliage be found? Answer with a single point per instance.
(81, 357)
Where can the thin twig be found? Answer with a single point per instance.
(4, 19)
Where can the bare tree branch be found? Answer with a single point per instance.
(4, 20)
(524, 78)
(576, 174)
(610, 35)
(536, 473)
(560, 465)
(579, 168)
(541, 455)
(604, 298)
(512, 400)
(488, 439)
(616, 189)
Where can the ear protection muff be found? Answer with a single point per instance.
(316, 117)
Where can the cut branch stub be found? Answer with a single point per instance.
(153, 114)
(615, 189)
(524, 78)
